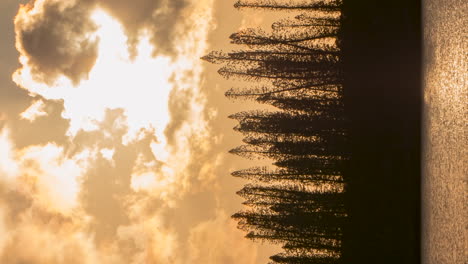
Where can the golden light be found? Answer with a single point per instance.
(38, 170)
(139, 86)
(8, 167)
(43, 168)
(34, 111)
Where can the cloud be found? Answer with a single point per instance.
(139, 146)
(9, 169)
(43, 171)
(34, 111)
(162, 19)
(55, 177)
(62, 247)
(39, 206)
(219, 241)
(139, 87)
(34, 234)
(152, 243)
(54, 39)
(45, 214)
(3, 230)
(57, 38)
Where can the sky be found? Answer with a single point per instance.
(114, 134)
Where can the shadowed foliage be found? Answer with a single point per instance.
(342, 77)
(316, 5)
(297, 202)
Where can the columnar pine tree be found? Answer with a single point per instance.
(323, 5)
(311, 175)
(298, 201)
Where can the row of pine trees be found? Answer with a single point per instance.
(297, 202)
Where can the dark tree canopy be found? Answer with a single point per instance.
(264, 174)
(297, 202)
(323, 5)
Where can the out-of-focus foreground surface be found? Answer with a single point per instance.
(444, 180)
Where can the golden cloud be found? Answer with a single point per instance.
(138, 142)
(34, 111)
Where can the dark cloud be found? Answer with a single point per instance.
(16, 204)
(160, 17)
(107, 183)
(33, 234)
(101, 190)
(43, 130)
(12, 99)
(180, 103)
(56, 40)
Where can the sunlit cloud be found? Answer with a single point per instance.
(153, 243)
(9, 169)
(138, 136)
(140, 86)
(107, 153)
(62, 246)
(3, 229)
(219, 241)
(56, 177)
(37, 109)
(144, 87)
(43, 171)
(54, 39)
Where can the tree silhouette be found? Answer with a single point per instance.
(264, 174)
(281, 5)
(304, 20)
(287, 123)
(299, 42)
(296, 90)
(302, 259)
(296, 202)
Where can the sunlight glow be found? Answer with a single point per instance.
(39, 169)
(108, 154)
(160, 98)
(140, 86)
(45, 168)
(34, 111)
(8, 167)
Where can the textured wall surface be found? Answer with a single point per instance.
(445, 153)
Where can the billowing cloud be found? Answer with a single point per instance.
(54, 39)
(45, 172)
(9, 169)
(37, 109)
(62, 246)
(76, 207)
(127, 179)
(219, 241)
(152, 242)
(161, 18)
(39, 205)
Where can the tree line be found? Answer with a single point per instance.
(297, 202)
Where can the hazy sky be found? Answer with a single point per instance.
(114, 134)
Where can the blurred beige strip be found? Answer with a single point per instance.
(445, 158)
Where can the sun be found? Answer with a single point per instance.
(140, 85)
(158, 97)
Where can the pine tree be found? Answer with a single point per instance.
(302, 259)
(263, 174)
(298, 201)
(321, 5)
